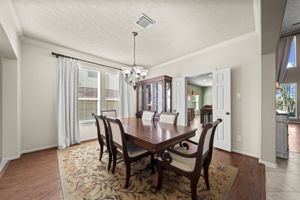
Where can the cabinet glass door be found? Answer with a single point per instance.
(148, 97)
(168, 97)
(158, 97)
(141, 98)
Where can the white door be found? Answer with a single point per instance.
(222, 108)
(179, 99)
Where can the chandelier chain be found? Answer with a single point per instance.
(134, 34)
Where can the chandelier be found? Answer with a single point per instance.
(135, 73)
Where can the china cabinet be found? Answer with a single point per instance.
(154, 94)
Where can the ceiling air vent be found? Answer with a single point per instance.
(145, 22)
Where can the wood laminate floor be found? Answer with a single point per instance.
(35, 176)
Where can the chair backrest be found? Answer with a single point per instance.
(109, 113)
(148, 115)
(116, 134)
(168, 117)
(206, 141)
(102, 128)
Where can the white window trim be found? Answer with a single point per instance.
(98, 99)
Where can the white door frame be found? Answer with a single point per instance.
(199, 74)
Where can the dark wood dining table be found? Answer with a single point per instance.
(155, 136)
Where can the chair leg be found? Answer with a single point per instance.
(206, 174)
(114, 163)
(160, 176)
(101, 151)
(109, 160)
(194, 189)
(127, 175)
(152, 163)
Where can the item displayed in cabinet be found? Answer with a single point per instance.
(154, 94)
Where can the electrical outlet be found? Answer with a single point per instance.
(238, 137)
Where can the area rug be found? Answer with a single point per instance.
(84, 177)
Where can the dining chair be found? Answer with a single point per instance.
(168, 117)
(128, 151)
(188, 164)
(109, 113)
(103, 137)
(148, 115)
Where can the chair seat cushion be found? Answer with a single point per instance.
(134, 150)
(183, 163)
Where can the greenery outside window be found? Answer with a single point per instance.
(286, 99)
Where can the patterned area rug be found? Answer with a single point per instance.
(84, 177)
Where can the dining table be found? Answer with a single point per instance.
(155, 136)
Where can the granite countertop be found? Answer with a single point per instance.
(281, 112)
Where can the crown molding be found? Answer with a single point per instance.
(15, 17)
(210, 48)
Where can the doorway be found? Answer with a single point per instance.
(199, 102)
(218, 108)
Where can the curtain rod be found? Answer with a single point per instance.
(65, 56)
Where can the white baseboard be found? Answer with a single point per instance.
(245, 153)
(6, 159)
(39, 148)
(52, 146)
(11, 157)
(86, 139)
(2, 164)
(268, 164)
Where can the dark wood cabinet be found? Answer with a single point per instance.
(154, 94)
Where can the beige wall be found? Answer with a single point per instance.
(10, 109)
(268, 109)
(10, 25)
(272, 12)
(39, 70)
(10, 82)
(242, 55)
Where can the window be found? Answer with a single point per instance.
(292, 57)
(112, 91)
(286, 99)
(88, 94)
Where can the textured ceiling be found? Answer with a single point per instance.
(291, 16)
(203, 80)
(103, 27)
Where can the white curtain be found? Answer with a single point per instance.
(67, 109)
(282, 57)
(126, 98)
